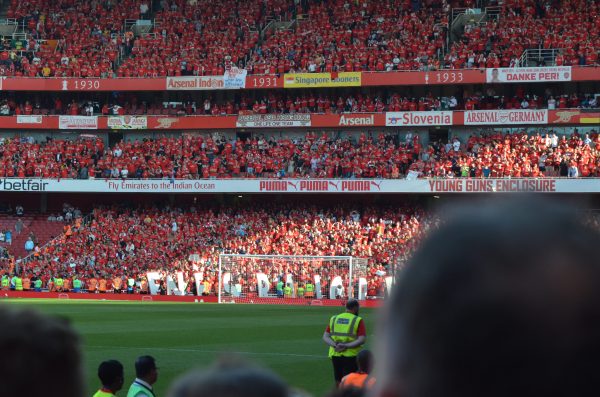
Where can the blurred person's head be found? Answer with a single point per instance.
(352, 306)
(145, 369)
(502, 300)
(39, 355)
(348, 392)
(111, 375)
(230, 378)
(364, 359)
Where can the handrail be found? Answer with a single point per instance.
(84, 221)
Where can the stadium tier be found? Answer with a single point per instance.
(216, 156)
(174, 38)
(292, 103)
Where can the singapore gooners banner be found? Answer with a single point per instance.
(313, 80)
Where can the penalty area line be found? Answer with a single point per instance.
(208, 351)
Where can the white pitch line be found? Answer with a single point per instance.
(210, 351)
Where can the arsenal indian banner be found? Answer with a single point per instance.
(502, 117)
(539, 74)
(425, 119)
(189, 83)
(273, 120)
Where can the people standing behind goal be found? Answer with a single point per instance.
(345, 334)
(146, 374)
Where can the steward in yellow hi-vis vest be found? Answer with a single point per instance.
(345, 335)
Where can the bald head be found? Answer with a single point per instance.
(504, 299)
(230, 379)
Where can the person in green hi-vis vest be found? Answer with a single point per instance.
(345, 335)
(146, 375)
(18, 283)
(37, 285)
(58, 283)
(287, 290)
(112, 377)
(76, 284)
(301, 291)
(310, 289)
(5, 282)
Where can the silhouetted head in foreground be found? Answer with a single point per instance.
(39, 355)
(230, 378)
(503, 300)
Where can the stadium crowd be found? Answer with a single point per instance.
(329, 35)
(568, 26)
(128, 104)
(487, 154)
(118, 243)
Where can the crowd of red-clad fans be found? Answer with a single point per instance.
(122, 243)
(206, 37)
(569, 26)
(492, 154)
(274, 103)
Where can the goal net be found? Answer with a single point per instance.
(290, 279)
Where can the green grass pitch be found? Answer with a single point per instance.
(182, 336)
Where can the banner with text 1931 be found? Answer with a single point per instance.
(534, 74)
(273, 120)
(78, 122)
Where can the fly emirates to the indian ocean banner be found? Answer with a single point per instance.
(302, 186)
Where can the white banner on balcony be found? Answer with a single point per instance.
(295, 186)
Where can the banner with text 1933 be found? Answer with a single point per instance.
(312, 80)
(234, 78)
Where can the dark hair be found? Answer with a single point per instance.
(504, 299)
(364, 359)
(348, 392)
(144, 365)
(352, 304)
(110, 372)
(230, 378)
(40, 355)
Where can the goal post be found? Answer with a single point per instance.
(290, 278)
